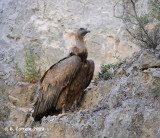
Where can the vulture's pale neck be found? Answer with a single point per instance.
(80, 41)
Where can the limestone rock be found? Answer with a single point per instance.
(17, 119)
(149, 60)
(21, 95)
(126, 106)
(49, 28)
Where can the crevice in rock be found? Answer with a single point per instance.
(143, 69)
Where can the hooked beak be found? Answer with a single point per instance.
(87, 30)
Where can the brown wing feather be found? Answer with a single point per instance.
(90, 72)
(54, 81)
(75, 90)
(41, 80)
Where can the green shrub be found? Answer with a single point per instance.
(31, 74)
(18, 70)
(156, 9)
(107, 71)
(143, 28)
(104, 72)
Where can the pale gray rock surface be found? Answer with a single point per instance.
(127, 106)
(49, 27)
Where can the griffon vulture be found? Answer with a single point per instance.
(64, 82)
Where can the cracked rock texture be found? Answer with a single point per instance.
(49, 26)
(127, 106)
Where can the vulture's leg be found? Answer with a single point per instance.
(63, 110)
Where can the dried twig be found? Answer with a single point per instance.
(132, 22)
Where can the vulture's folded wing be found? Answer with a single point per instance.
(90, 72)
(54, 81)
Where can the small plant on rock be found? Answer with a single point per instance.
(143, 28)
(31, 74)
(107, 71)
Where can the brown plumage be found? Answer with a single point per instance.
(63, 83)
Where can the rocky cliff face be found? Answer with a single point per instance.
(49, 27)
(126, 106)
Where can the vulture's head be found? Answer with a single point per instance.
(82, 31)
